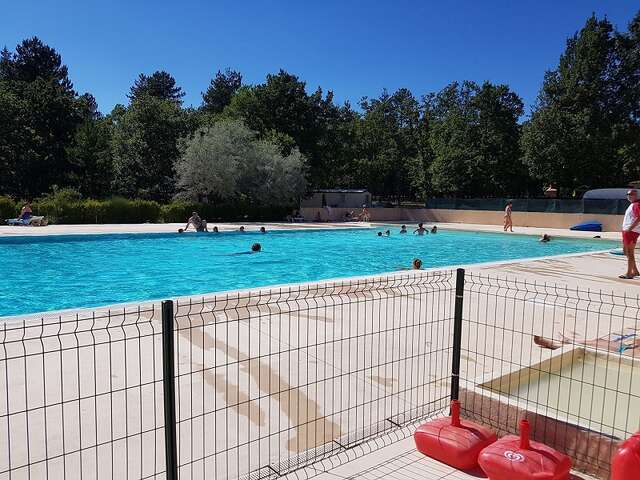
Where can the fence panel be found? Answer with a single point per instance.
(268, 382)
(82, 397)
(566, 359)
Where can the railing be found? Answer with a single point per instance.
(260, 384)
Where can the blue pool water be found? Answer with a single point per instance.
(58, 272)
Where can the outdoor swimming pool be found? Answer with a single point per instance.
(58, 272)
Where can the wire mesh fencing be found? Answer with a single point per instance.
(82, 396)
(269, 382)
(263, 383)
(565, 359)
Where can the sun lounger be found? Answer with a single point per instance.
(34, 221)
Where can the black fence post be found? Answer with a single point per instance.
(168, 382)
(457, 335)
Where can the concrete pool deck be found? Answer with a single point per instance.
(238, 345)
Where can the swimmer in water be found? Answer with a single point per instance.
(417, 264)
(434, 229)
(420, 230)
(403, 229)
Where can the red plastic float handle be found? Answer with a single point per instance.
(525, 428)
(455, 413)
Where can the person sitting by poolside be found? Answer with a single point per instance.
(241, 229)
(318, 218)
(417, 264)
(434, 229)
(348, 216)
(420, 230)
(545, 238)
(403, 229)
(263, 230)
(199, 224)
(26, 212)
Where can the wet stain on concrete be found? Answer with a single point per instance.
(311, 428)
(384, 381)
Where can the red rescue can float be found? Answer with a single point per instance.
(513, 457)
(450, 441)
(626, 461)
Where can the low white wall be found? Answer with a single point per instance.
(610, 223)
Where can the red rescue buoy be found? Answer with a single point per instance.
(514, 457)
(626, 461)
(450, 441)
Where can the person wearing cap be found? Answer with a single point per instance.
(630, 234)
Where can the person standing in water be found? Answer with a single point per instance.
(403, 229)
(508, 222)
(420, 230)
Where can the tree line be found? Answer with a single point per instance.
(269, 143)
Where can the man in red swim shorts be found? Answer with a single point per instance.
(630, 234)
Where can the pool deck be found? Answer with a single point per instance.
(398, 459)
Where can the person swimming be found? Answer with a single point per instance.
(403, 229)
(255, 248)
(417, 264)
(241, 229)
(263, 230)
(379, 234)
(387, 233)
(420, 230)
(545, 238)
(215, 230)
(434, 229)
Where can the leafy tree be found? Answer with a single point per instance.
(227, 161)
(90, 159)
(570, 139)
(40, 111)
(160, 85)
(145, 146)
(221, 90)
(389, 139)
(474, 135)
(318, 127)
(628, 94)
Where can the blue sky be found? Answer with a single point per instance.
(354, 48)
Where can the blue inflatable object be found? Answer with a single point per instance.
(592, 226)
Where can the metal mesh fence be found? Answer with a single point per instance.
(82, 397)
(565, 359)
(262, 383)
(272, 381)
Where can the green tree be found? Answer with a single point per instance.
(159, 84)
(475, 140)
(570, 139)
(221, 90)
(628, 81)
(40, 115)
(144, 143)
(227, 161)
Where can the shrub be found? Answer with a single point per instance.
(8, 208)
